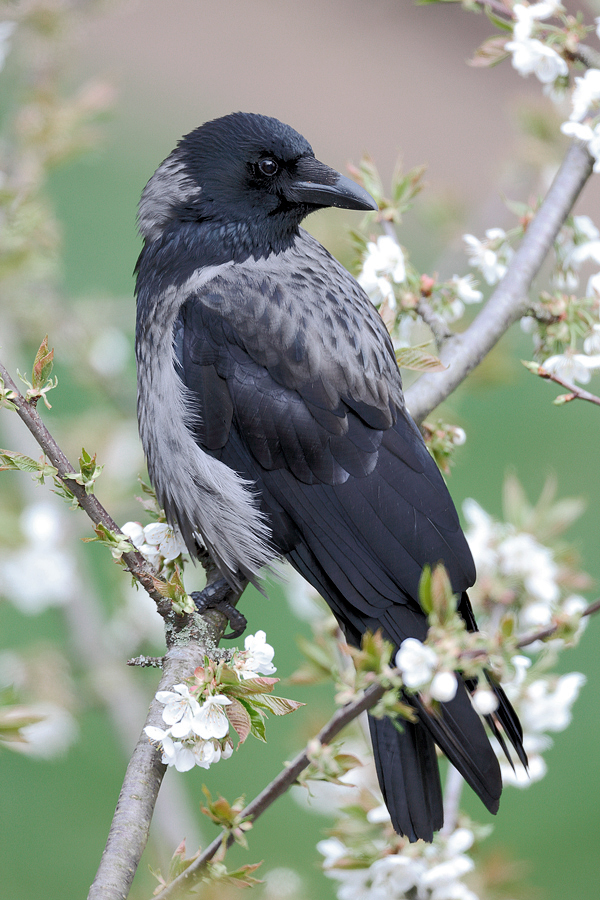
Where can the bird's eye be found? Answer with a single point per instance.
(268, 166)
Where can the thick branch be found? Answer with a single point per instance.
(189, 638)
(274, 790)
(129, 828)
(463, 352)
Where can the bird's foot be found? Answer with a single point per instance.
(214, 596)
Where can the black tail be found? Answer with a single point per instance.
(407, 767)
(409, 778)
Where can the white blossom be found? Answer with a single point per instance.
(593, 290)
(480, 536)
(169, 543)
(521, 556)
(210, 721)
(206, 753)
(586, 94)
(584, 227)
(465, 288)
(332, 849)
(597, 21)
(378, 815)
(416, 662)
(589, 250)
(282, 883)
(525, 16)
(51, 736)
(134, 532)
(445, 873)
(546, 705)
(174, 753)
(394, 875)
(484, 701)
(490, 256)
(532, 56)
(444, 686)
(259, 657)
(572, 367)
(35, 579)
(528, 324)
(180, 709)
(534, 745)
(459, 436)
(383, 266)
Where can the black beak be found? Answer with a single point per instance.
(318, 185)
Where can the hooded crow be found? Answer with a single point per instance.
(271, 413)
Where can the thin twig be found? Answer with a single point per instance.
(575, 393)
(147, 662)
(137, 565)
(463, 352)
(274, 790)
(552, 629)
(436, 323)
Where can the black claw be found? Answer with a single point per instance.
(214, 596)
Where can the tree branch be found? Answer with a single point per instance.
(286, 778)
(128, 833)
(137, 565)
(189, 638)
(575, 393)
(463, 352)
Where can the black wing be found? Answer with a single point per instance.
(355, 501)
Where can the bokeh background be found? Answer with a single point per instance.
(386, 77)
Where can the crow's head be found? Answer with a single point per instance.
(246, 172)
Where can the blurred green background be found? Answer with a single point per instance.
(385, 77)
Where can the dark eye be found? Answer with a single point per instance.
(268, 166)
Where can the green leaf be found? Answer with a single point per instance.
(239, 719)
(279, 706)
(9, 459)
(490, 53)
(425, 598)
(254, 686)
(42, 365)
(88, 473)
(257, 725)
(503, 24)
(417, 360)
(533, 366)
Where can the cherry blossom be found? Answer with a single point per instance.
(490, 256)
(416, 662)
(572, 367)
(484, 701)
(259, 657)
(210, 721)
(174, 753)
(180, 709)
(444, 686)
(383, 265)
(532, 56)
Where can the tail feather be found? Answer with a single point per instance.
(508, 719)
(459, 732)
(409, 778)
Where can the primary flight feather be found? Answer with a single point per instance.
(271, 412)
